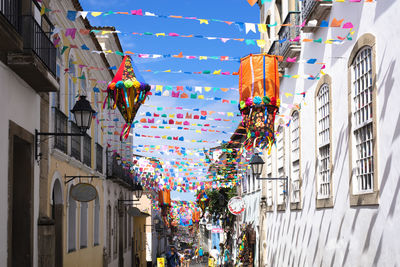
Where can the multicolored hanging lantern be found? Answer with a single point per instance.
(128, 92)
(259, 98)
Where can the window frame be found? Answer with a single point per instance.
(73, 242)
(281, 184)
(295, 205)
(324, 202)
(367, 198)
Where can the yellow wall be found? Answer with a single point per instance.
(139, 237)
(91, 255)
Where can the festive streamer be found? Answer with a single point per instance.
(247, 26)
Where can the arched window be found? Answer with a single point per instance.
(71, 84)
(109, 232)
(96, 221)
(84, 225)
(323, 143)
(362, 98)
(295, 159)
(71, 223)
(280, 165)
(115, 232)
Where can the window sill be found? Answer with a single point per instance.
(295, 206)
(82, 247)
(324, 203)
(368, 199)
(281, 207)
(71, 250)
(270, 208)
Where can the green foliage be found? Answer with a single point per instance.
(218, 199)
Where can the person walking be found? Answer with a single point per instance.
(173, 258)
(227, 256)
(201, 254)
(214, 253)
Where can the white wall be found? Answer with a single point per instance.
(344, 235)
(21, 104)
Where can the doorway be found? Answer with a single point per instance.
(57, 216)
(20, 191)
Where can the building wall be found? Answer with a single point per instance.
(344, 234)
(20, 104)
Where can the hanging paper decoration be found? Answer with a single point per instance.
(259, 98)
(128, 91)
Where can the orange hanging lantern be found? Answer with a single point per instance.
(259, 98)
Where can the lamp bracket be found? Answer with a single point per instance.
(73, 177)
(38, 155)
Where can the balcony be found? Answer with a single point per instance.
(99, 158)
(116, 171)
(289, 48)
(87, 150)
(75, 142)
(10, 25)
(36, 62)
(274, 48)
(61, 126)
(314, 10)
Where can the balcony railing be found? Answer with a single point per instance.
(99, 158)
(87, 150)
(75, 142)
(38, 41)
(11, 10)
(117, 172)
(274, 49)
(61, 126)
(290, 32)
(311, 9)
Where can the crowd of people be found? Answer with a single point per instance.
(197, 255)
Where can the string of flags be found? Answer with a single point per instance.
(71, 32)
(72, 15)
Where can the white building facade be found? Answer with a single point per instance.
(338, 139)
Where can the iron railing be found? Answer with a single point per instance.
(274, 49)
(115, 170)
(287, 33)
(11, 10)
(307, 8)
(61, 126)
(38, 41)
(99, 158)
(75, 142)
(87, 150)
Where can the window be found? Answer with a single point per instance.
(362, 99)
(109, 232)
(362, 121)
(96, 222)
(60, 124)
(125, 229)
(71, 85)
(295, 160)
(84, 225)
(75, 142)
(115, 232)
(244, 183)
(280, 158)
(99, 158)
(71, 223)
(87, 150)
(270, 200)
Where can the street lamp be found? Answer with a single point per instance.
(138, 190)
(257, 164)
(82, 112)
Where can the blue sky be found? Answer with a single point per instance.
(230, 10)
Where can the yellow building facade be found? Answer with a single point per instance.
(79, 226)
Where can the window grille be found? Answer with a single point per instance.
(61, 126)
(362, 122)
(75, 142)
(323, 129)
(87, 150)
